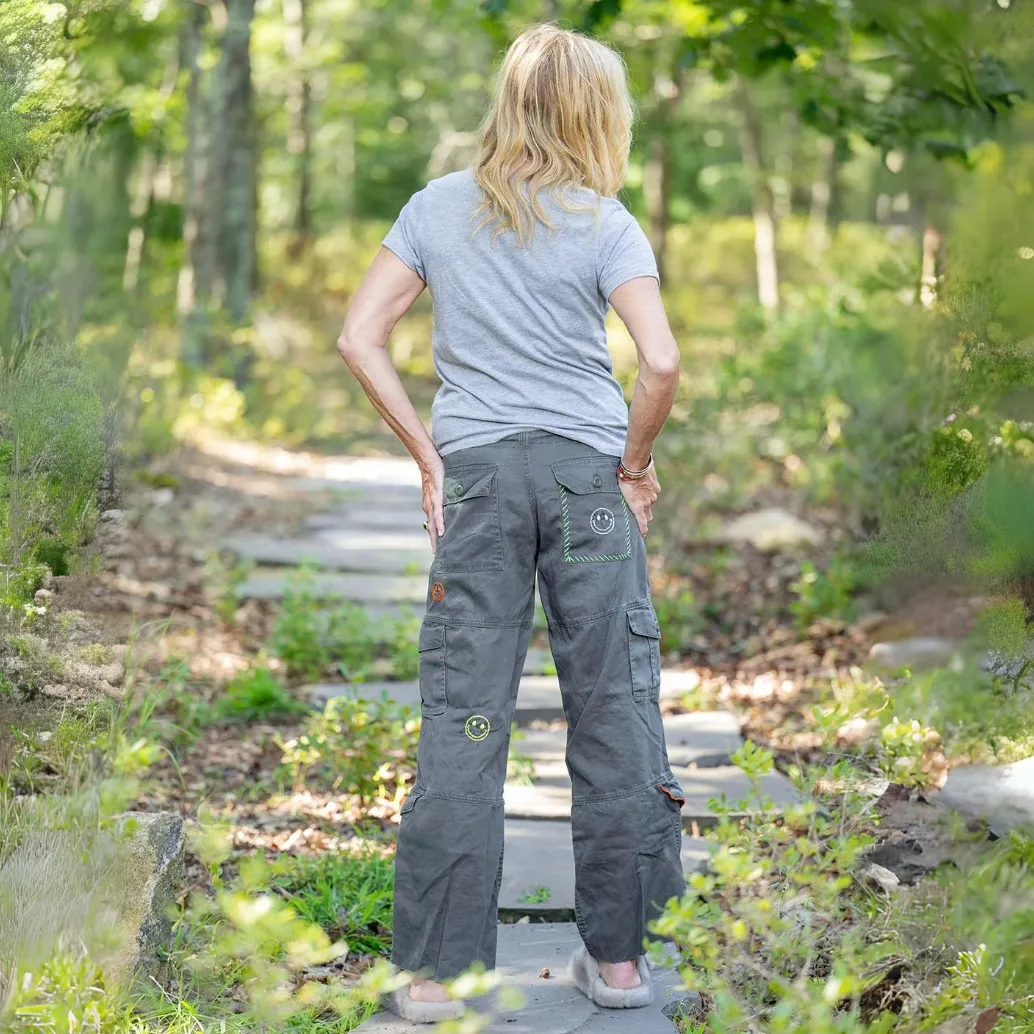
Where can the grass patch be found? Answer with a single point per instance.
(348, 895)
(257, 695)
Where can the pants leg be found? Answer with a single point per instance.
(605, 640)
(472, 648)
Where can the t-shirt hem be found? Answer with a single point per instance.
(607, 444)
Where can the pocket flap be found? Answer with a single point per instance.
(644, 622)
(585, 479)
(470, 483)
(671, 789)
(432, 637)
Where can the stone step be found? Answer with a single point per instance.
(388, 472)
(359, 514)
(1000, 795)
(705, 739)
(539, 857)
(274, 584)
(537, 700)
(549, 797)
(323, 550)
(369, 492)
(553, 1005)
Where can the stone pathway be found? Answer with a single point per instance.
(370, 549)
(553, 1005)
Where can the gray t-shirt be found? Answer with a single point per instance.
(519, 340)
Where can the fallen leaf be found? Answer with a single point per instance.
(986, 1020)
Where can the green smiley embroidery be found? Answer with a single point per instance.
(477, 727)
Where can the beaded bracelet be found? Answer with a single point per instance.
(624, 474)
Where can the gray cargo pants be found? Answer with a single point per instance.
(536, 501)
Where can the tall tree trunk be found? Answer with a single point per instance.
(194, 178)
(224, 242)
(763, 208)
(823, 190)
(657, 172)
(299, 110)
(234, 169)
(655, 194)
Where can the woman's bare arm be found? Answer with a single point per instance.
(638, 303)
(388, 290)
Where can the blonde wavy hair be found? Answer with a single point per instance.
(561, 118)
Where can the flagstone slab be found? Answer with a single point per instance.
(365, 471)
(383, 493)
(317, 552)
(538, 867)
(1001, 795)
(702, 738)
(358, 514)
(352, 539)
(549, 797)
(538, 698)
(274, 584)
(553, 1005)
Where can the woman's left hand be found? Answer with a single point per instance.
(433, 476)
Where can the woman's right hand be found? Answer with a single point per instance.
(640, 495)
(432, 475)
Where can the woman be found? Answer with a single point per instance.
(536, 464)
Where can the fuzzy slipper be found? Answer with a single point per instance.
(585, 972)
(400, 1003)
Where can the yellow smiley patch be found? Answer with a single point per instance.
(477, 727)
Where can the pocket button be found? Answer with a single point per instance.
(597, 481)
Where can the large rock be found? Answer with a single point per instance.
(770, 529)
(918, 653)
(146, 879)
(1000, 795)
(108, 890)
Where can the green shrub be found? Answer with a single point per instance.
(257, 695)
(681, 619)
(312, 634)
(65, 995)
(403, 634)
(822, 594)
(53, 553)
(768, 934)
(365, 747)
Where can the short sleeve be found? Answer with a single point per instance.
(623, 252)
(403, 238)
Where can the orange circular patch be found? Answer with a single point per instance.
(437, 592)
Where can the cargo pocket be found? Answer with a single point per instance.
(433, 700)
(596, 527)
(659, 865)
(472, 540)
(644, 654)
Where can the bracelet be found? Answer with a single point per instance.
(624, 474)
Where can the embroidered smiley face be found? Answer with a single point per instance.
(602, 521)
(477, 727)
